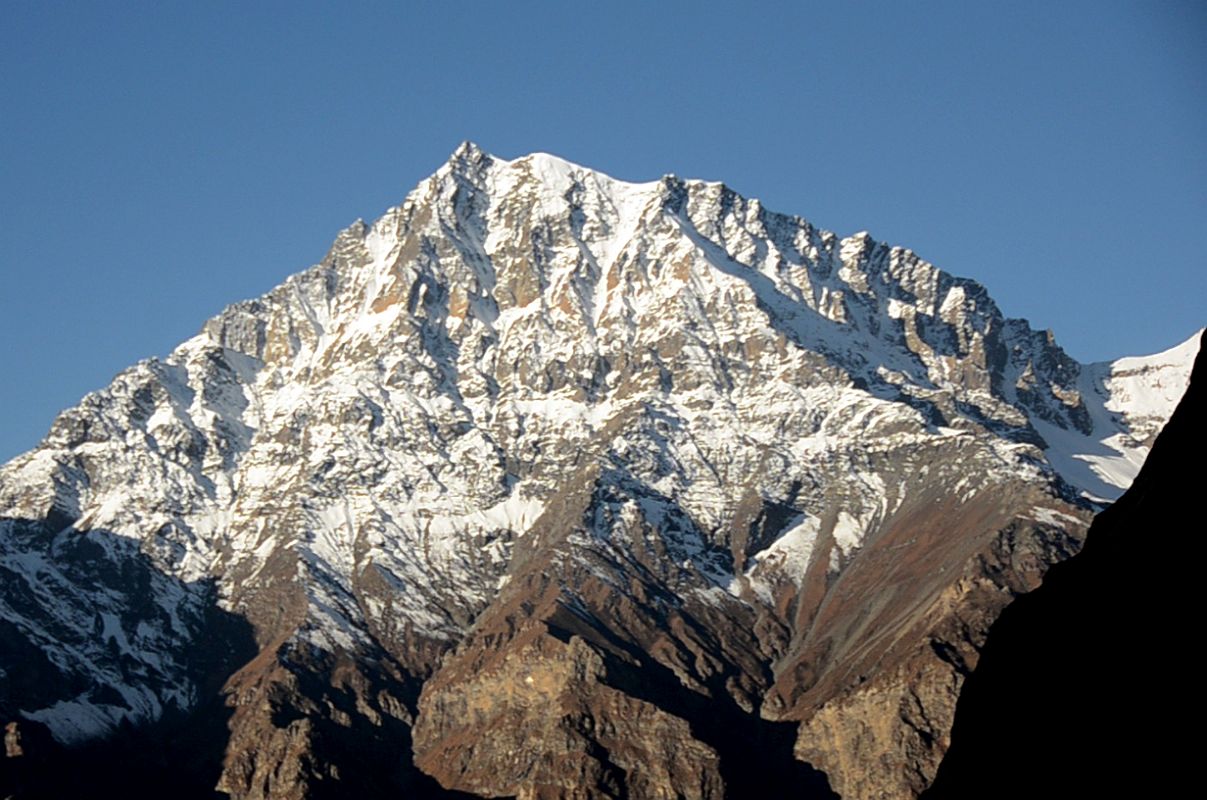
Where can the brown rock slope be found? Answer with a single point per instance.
(596, 680)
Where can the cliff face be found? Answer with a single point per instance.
(550, 485)
(1112, 630)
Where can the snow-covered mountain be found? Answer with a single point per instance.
(547, 480)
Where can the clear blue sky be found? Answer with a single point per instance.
(160, 160)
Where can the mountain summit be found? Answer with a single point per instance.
(547, 484)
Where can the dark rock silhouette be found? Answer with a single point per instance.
(1081, 682)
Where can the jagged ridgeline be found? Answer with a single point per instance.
(546, 485)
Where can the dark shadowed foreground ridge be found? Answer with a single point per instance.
(1086, 686)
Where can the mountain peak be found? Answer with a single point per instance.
(529, 422)
(467, 149)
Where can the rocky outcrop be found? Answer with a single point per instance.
(542, 722)
(550, 485)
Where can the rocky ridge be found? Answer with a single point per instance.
(546, 484)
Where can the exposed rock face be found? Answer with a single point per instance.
(1102, 623)
(880, 676)
(548, 485)
(598, 740)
